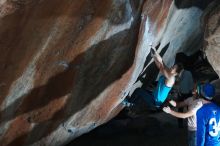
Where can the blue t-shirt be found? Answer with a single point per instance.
(161, 92)
(208, 125)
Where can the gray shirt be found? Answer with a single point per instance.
(185, 82)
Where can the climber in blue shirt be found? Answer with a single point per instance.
(166, 80)
(164, 85)
(208, 119)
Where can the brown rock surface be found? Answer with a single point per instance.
(212, 35)
(63, 61)
(67, 65)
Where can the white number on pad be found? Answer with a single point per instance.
(216, 127)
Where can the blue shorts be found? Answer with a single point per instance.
(146, 95)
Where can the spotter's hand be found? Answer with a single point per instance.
(167, 109)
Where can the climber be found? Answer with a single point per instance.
(164, 85)
(166, 80)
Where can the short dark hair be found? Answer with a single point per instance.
(179, 67)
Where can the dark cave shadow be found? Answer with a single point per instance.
(123, 126)
(183, 4)
(144, 128)
(99, 66)
(198, 65)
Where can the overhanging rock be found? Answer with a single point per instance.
(67, 65)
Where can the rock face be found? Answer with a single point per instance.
(212, 35)
(67, 65)
(173, 26)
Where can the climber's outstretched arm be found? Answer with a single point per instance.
(159, 63)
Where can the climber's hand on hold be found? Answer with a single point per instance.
(152, 51)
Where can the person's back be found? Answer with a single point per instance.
(208, 125)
